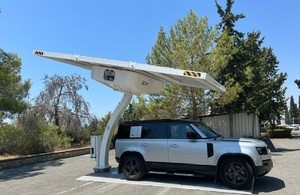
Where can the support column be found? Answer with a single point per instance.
(103, 154)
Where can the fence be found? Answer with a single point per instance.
(234, 125)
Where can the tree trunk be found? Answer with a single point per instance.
(194, 106)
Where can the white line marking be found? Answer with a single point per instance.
(107, 188)
(88, 183)
(66, 191)
(158, 184)
(71, 189)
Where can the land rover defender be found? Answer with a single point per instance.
(190, 147)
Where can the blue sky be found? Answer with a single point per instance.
(126, 30)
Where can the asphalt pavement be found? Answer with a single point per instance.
(75, 176)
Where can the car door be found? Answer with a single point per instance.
(182, 150)
(153, 142)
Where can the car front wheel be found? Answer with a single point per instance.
(236, 173)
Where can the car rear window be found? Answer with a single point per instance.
(148, 131)
(154, 131)
(123, 132)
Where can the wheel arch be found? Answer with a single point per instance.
(230, 155)
(128, 153)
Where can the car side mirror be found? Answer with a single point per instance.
(191, 135)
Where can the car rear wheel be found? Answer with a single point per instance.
(236, 173)
(133, 167)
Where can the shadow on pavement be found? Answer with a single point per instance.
(204, 183)
(27, 170)
(267, 184)
(271, 146)
(286, 150)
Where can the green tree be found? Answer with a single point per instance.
(251, 75)
(231, 74)
(287, 116)
(93, 126)
(13, 91)
(298, 110)
(138, 109)
(294, 113)
(190, 45)
(103, 122)
(297, 83)
(263, 90)
(229, 19)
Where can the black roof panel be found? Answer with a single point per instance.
(156, 121)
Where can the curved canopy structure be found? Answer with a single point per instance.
(156, 74)
(130, 78)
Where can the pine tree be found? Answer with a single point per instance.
(287, 116)
(298, 122)
(13, 91)
(293, 110)
(298, 83)
(229, 19)
(251, 75)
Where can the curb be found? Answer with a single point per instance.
(43, 157)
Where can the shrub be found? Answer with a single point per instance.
(51, 140)
(79, 137)
(263, 129)
(41, 137)
(31, 137)
(11, 139)
(280, 133)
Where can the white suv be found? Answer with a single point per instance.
(184, 146)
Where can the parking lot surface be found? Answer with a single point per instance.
(75, 176)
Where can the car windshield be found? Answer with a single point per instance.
(206, 130)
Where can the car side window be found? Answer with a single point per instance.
(179, 131)
(154, 131)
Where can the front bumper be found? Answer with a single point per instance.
(264, 169)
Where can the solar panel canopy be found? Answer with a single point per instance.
(135, 78)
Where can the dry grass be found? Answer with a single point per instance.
(4, 157)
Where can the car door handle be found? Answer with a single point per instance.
(145, 145)
(174, 145)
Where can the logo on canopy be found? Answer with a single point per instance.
(109, 75)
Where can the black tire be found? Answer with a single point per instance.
(236, 173)
(133, 167)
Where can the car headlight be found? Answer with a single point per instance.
(261, 150)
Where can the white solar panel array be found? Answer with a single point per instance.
(135, 77)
